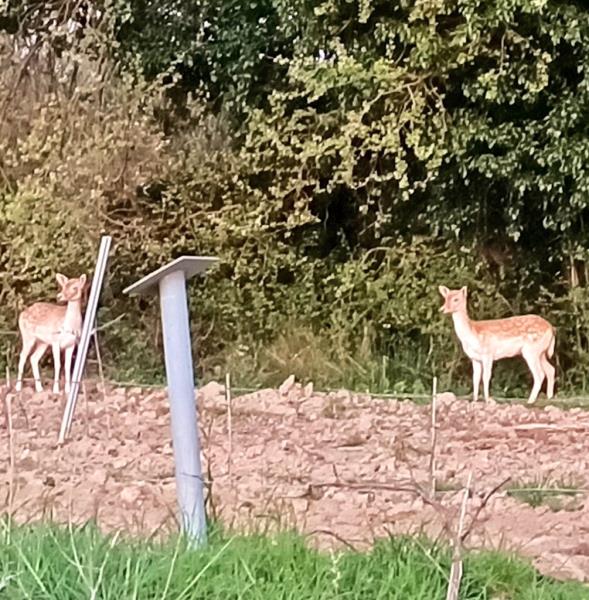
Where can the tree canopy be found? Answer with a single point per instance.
(341, 157)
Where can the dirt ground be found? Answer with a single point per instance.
(329, 464)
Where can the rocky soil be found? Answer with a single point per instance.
(340, 467)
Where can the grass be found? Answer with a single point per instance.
(49, 562)
(556, 495)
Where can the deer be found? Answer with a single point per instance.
(484, 342)
(43, 325)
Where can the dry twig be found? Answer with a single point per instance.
(456, 569)
(482, 505)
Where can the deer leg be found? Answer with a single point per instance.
(535, 365)
(476, 379)
(68, 368)
(549, 371)
(57, 366)
(27, 346)
(487, 371)
(35, 358)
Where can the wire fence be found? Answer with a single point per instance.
(574, 400)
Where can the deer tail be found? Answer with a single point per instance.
(550, 350)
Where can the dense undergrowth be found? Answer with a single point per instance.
(342, 160)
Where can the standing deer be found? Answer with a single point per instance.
(43, 325)
(484, 342)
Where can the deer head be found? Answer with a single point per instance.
(72, 289)
(454, 300)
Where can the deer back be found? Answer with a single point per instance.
(510, 336)
(43, 321)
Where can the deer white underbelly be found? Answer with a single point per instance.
(507, 348)
(67, 339)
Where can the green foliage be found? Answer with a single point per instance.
(51, 562)
(226, 49)
(342, 159)
(445, 117)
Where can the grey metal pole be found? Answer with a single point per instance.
(171, 282)
(180, 376)
(89, 320)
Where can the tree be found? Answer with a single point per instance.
(226, 50)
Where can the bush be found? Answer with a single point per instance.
(331, 206)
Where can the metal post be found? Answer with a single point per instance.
(170, 280)
(89, 319)
(180, 376)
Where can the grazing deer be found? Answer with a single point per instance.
(43, 325)
(484, 342)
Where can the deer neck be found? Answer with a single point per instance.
(463, 327)
(72, 321)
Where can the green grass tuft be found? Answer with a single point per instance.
(58, 563)
(556, 495)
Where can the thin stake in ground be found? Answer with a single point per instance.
(229, 423)
(6, 400)
(432, 459)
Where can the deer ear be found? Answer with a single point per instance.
(83, 279)
(464, 291)
(61, 279)
(443, 290)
